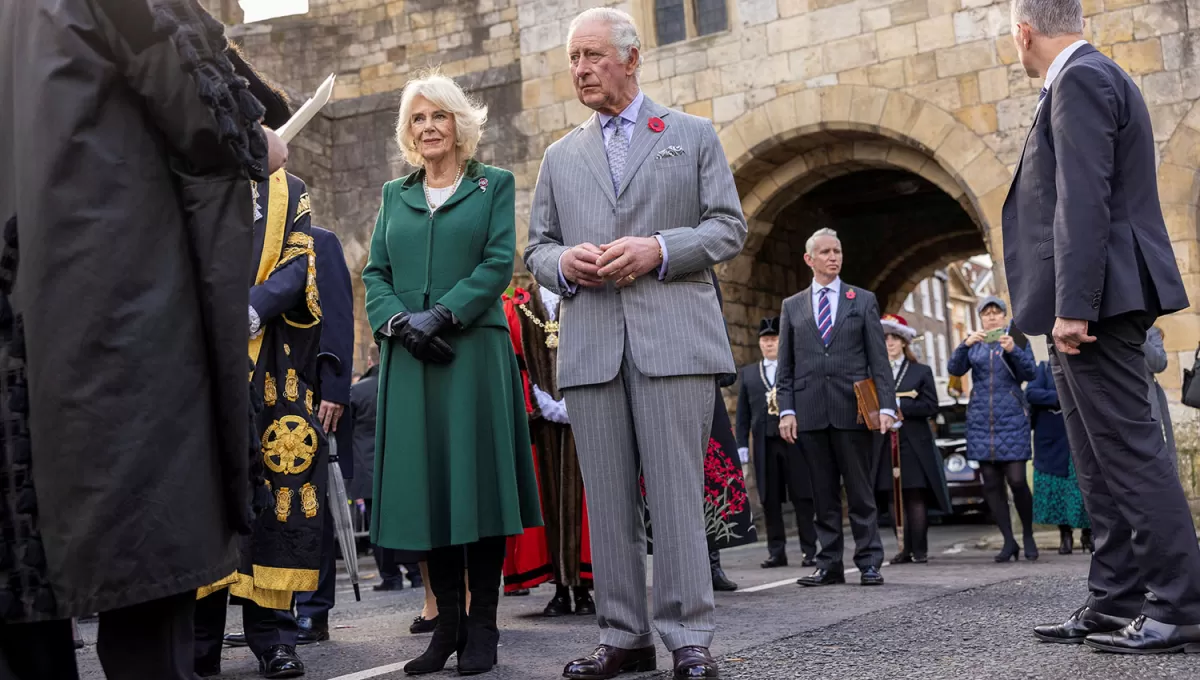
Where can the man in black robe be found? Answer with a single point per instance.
(335, 364)
(126, 152)
(779, 467)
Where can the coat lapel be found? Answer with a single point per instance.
(843, 310)
(643, 139)
(806, 309)
(414, 189)
(594, 156)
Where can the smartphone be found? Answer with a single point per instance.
(994, 336)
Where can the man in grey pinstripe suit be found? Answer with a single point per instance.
(631, 211)
(829, 339)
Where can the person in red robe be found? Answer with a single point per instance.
(561, 551)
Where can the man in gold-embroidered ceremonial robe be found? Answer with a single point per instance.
(283, 555)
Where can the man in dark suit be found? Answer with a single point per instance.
(1089, 262)
(829, 339)
(336, 361)
(779, 467)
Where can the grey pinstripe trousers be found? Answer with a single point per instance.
(667, 421)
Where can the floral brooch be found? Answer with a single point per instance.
(850, 294)
(656, 124)
(483, 184)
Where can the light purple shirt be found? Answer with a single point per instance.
(628, 121)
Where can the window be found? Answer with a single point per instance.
(925, 299)
(943, 359)
(927, 345)
(261, 10)
(676, 20)
(939, 304)
(909, 305)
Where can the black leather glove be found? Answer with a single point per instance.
(419, 334)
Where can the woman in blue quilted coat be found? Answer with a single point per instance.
(998, 419)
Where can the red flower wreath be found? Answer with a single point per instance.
(850, 295)
(656, 124)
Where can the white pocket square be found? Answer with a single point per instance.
(670, 152)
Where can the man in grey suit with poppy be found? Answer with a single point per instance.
(631, 212)
(829, 339)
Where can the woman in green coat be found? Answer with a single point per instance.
(454, 471)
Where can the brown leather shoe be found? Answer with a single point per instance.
(609, 662)
(694, 663)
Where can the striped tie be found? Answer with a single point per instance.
(824, 317)
(1042, 94)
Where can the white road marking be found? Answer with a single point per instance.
(790, 581)
(373, 672)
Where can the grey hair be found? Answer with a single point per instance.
(624, 32)
(812, 240)
(445, 94)
(1051, 18)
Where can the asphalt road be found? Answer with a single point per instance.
(960, 616)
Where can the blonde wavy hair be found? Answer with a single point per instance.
(445, 94)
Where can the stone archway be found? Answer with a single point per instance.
(794, 145)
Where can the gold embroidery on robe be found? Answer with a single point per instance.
(283, 503)
(289, 445)
(302, 207)
(308, 399)
(287, 349)
(270, 391)
(308, 500)
(301, 245)
(291, 386)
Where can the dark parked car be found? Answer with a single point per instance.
(962, 475)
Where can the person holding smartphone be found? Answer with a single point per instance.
(1000, 360)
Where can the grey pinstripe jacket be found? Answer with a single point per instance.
(675, 326)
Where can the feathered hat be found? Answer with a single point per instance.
(895, 324)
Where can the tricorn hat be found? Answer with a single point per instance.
(768, 326)
(894, 324)
(270, 95)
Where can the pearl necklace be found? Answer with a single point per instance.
(453, 188)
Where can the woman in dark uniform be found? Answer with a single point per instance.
(921, 476)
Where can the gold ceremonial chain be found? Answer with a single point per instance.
(551, 327)
(772, 392)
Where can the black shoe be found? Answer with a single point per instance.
(871, 577)
(389, 584)
(903, 558)
(808, 561)
(206, 668)
(280, 661)
(1085, 540)
(1010, 551)
(311, 631)
(1031, 550)
(519, 592)
(422, 625)
(560, 605)
(1082, 623)
(447, 639)
(584, 605)
(920, 559)
(1066, 541)
(235, 640)
(1144, 635)
(822, 577)
(415, 581)
(720, 582)
(774, 561)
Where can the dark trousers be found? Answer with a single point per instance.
(148, 640)
(835, 456)
(1146, 560)
(264, 628)
(787, 475)
(317, 604)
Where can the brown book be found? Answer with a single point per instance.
(868, 404)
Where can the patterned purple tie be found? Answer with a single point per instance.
(824, 316)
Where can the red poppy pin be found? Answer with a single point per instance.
(483, 183)
(520, 296)
(656, 124)
(850, 295)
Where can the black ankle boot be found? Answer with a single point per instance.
(446, 581)
(1085, 540)
(720, 581)
(1031, 550)
(1066, 544)
(1010, 551)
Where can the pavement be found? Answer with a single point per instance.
(960, 616)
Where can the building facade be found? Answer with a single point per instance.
(897, 122)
